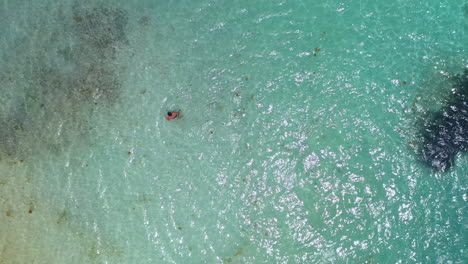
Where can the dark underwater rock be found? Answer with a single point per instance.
(72, 71)
(445, 134)
(100, 27)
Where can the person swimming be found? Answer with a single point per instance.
(172, 115)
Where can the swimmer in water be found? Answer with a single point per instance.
(172, 115)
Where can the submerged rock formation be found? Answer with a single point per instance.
(445, 133)
(65, 69)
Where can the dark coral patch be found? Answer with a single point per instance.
(445, 133)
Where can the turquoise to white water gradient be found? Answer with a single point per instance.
(297, 141)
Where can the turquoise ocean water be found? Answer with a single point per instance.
(298, 140)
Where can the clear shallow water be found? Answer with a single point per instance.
(296, 145)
